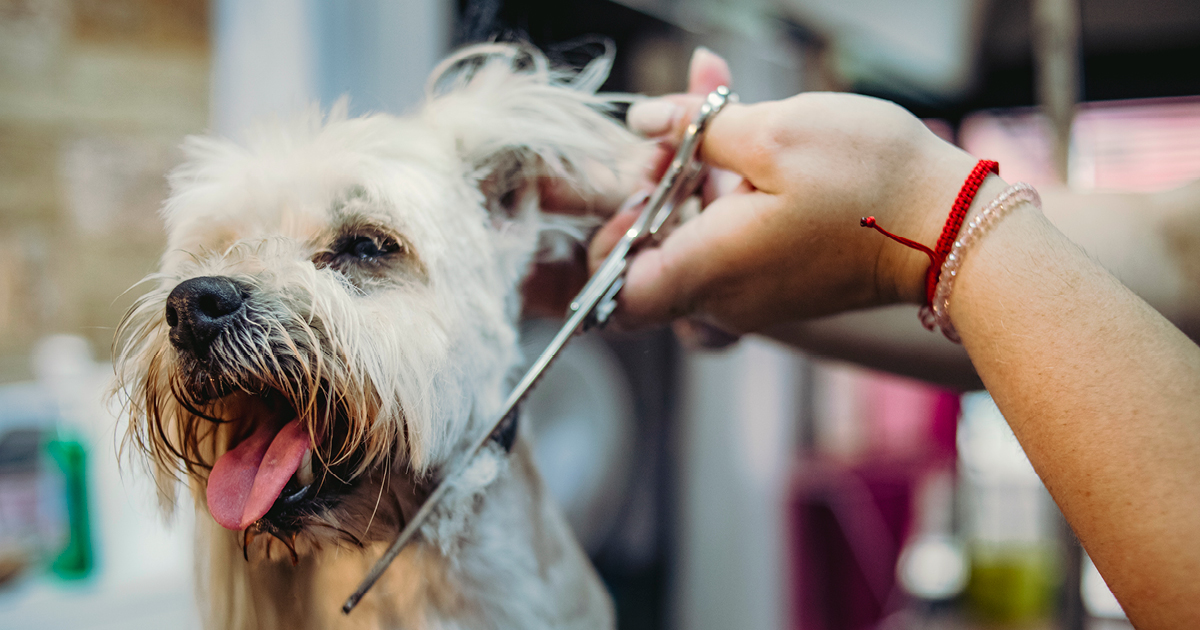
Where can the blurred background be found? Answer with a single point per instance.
(752, 487)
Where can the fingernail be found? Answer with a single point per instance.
(652, 117)
(699, 55)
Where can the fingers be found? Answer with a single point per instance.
(733, 141)
(667, 282)
(664, 283)
(720, 182)
(646, 304)
(656, 117)
(707, 72)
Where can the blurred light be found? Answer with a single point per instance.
(933, 568)
(916, 48)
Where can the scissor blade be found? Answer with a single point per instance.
(535, 371)
(599, 291)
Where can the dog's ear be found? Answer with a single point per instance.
(515, 120)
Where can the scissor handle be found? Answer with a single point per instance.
(685, 170)
(677, 183)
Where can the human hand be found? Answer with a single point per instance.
(706, 72)
(551, 285)
(785, 243)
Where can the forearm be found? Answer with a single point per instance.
(1141, 239)
(1104, 394)
(888, 338)
(1150, 242)
(1101, 390)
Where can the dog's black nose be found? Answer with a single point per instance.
(200, 308)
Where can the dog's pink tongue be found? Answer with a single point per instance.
(246, 480)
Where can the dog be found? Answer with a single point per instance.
(333, 324)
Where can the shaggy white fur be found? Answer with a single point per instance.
(378, 261)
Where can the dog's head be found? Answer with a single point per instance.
(334, 313)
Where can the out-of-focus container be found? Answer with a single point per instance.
(44, 516)
(27, 529)
(44, 469)
(1009, 521)
(883, 448)
(70, 455)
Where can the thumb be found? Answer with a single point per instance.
(737, 139)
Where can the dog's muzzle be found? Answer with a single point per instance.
(199, 309)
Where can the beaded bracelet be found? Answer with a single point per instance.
(966, 195)
(938, 313)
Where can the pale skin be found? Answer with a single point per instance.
(1147, 240)
(1102, 391)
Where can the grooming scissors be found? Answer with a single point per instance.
(591, 308)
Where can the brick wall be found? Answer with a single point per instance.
(95, 96)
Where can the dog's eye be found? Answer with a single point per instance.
(369, 256)
(364, 247)
(367, 248)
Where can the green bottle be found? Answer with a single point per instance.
(75, 560)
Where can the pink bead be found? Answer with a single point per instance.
(939, 314)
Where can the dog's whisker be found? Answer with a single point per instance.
(331, 473)
(289, 543)
(248, 537)
(351, 537)
(375, 509)
(185, 401)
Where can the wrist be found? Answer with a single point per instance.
(930, 207)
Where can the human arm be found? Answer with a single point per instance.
(1149, 241)
(1102, 391)
(1104, 395)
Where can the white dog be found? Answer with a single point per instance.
(333, 323)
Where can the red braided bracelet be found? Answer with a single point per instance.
(958, 211)
(966, 195)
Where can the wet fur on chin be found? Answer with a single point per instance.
(391, 362)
